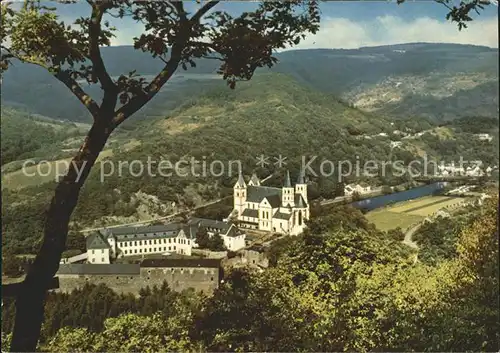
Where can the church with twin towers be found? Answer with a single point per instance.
(279, 210)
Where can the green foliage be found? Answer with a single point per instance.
(202, 237)
(126, 333)
(396, 234)
(88, 309)
(25, 136)
(386, 190)
(12, 266)
(437, 239)
(338, 288)
(474, 124)
(211, 242)
(216, 243)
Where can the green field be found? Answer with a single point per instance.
(385, 219)
(407, 213)
(41, 173)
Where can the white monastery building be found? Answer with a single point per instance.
(108, 244)
(281, 210)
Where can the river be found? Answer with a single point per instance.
(381, 201)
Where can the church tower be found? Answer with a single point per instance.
(287, 192)
(240, 194)
(254, 180)
(301, 186)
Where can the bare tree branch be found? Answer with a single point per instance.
(99, 69)
(82, 96)
(74, 87)
(152, 89)
(203, 10)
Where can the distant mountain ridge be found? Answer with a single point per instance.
(365, 77)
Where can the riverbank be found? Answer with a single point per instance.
(407, 214)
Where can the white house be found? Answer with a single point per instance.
(281, 210)
(233, 238)
(178, 238)
(484, 137)
(474, 171)
(352, 188)
(395, 144)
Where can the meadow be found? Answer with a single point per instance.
(405, 214)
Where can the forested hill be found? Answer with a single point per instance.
(439, 81)
(271, 115)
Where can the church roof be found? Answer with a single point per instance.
(254, 179)
(288, 183)
(299, 201)
(281, 215)
(274, 200)
(258, 193)
(248, 212)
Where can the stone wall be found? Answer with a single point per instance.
(178, 278)
(208, 254)
(247, 257)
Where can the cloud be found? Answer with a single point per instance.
(384, 30)
(349, 34)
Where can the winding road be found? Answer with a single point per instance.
(408, 236)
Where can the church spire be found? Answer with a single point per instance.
(301, 178)
(241, 181)
(254, 180)
(287, 184)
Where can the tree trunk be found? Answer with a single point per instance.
(30, 301)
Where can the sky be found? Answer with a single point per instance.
(354, 24)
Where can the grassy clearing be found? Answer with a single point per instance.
(410, 204)
(41, 173)
(407, 213)
(430, 209)
(385, 219)
(427, 205)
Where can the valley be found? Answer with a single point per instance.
(223, 186)
(221, 125)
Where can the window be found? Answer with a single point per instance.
(169, 241)
(169, 248)
(93, 259)
(102, 259)
(93, 252)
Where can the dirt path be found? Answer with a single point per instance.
(409, 234)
